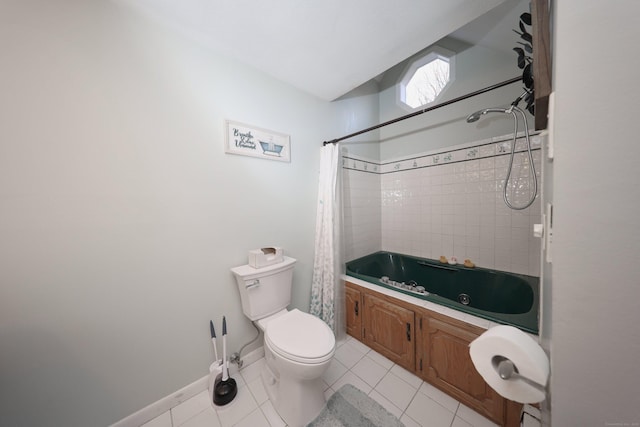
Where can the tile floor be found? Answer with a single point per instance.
(403, 394)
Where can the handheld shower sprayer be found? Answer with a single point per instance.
(513, 109)
(476, 116)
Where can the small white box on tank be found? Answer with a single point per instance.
(263, 257)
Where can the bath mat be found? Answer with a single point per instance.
(349, 407)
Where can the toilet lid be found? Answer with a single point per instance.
(301, 337)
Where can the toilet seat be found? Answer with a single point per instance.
(300, 337)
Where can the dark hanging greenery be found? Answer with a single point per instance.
(525, 59)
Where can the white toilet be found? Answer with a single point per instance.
(298, 346)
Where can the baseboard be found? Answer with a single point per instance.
(161, 406)
(253, 356)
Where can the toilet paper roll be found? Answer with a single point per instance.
(528, 357)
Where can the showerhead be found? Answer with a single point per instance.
(476, 116)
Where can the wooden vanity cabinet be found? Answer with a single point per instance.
(382, 323)
(433, 346)
(389, 329)
(444, 361)
(353, 299)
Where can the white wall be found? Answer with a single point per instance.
(359, 110)
(595, 339)
(476, 67)
(120, 213)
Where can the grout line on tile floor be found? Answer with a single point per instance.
(190, 420)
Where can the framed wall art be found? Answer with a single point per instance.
(248, 140)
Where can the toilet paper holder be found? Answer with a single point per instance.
(508, 370)
(512, 363)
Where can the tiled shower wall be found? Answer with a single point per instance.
(446, 203)
(362, 208)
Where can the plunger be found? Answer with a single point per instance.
(226, 388)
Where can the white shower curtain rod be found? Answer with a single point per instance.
(426, 110)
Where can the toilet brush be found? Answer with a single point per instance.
(218, 362)
(226, 388)
(213, 339)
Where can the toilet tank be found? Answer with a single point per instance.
(265, 291)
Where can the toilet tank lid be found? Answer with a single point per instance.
(247, 272)
(301, 335)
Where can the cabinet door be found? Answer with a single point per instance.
(445, 363)
(389, 330)
(353, 312)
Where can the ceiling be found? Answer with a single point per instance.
(326, 48)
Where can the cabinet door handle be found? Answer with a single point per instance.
(408, 331)
(356, 308)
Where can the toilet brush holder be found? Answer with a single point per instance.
(215, 374)
(220, 392)
(225, 388)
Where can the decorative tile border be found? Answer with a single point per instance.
(353, 163)
(461, 153)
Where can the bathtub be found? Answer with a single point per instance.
(505, 298)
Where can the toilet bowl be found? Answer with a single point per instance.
(298, 346)
(298, 350)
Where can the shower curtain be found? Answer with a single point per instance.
(327, 287)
